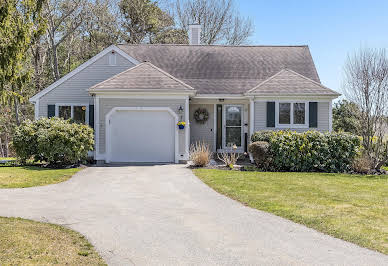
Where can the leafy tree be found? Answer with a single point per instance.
(143, 18)
(172, 36)
(346, 117)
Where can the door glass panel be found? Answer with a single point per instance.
(233, 136)
(65, 112)
(79, 114)
(233, 116)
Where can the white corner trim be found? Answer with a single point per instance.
(36, 109)
(113, 110)
(215, 128)
(251, 118)
(96, 126)
(251, 124)
(187, 128)
(330, 116)
(82, 67)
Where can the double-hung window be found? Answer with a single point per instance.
(291, 114)
(79, 113)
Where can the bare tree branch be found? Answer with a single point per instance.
(366, 84)
(220, 21)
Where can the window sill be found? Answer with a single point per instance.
(288, 126)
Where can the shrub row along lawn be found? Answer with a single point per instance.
(7, 158)
(350, 207)
(30, 176)
(25, 242)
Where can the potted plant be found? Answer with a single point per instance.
(181, 124)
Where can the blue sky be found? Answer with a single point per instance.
(332, 29)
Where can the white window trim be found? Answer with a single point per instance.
(292, 125)
(72, 110)
(240, 149)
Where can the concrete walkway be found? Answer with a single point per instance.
(164, 215)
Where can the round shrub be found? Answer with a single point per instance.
(53, 140)
(260, 152)
(310, 150)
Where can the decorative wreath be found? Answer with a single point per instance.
(201, 115)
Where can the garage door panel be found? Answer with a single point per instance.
(142, 136)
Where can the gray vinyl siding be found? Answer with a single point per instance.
(323, 117)
(106, 104)
(74, 89)
(202, 132)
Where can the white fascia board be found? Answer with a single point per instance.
(142, 94)
(220, 96)
(316, 98)
(82, 67)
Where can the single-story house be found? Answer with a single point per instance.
(135, 95)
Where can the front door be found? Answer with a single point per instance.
(233, 127)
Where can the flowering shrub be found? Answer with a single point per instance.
(310, 151)
(53, 140)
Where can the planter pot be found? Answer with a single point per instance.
(181, 126)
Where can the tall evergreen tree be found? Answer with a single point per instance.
(20, 24)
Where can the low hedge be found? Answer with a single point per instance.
(310, 150)
(53, 140)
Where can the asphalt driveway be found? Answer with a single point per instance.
(164, 215)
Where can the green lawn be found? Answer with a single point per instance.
(350, 207)
(25, 242)
(7, 158)
(31, 176)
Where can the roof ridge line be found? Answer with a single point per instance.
(212, 45)
(266, 80)
(142, 64)
(114, 76)
(169, 75)
(291, 71)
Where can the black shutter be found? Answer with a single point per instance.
(270, 114)
(313, 114)
(91, 116)
(50, 110)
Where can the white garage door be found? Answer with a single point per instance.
(141, 136)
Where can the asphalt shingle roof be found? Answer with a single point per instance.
(144, 76)
(288, 82)
(224, 69)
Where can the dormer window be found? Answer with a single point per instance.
(112, 58)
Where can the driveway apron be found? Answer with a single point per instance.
(164, 215)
